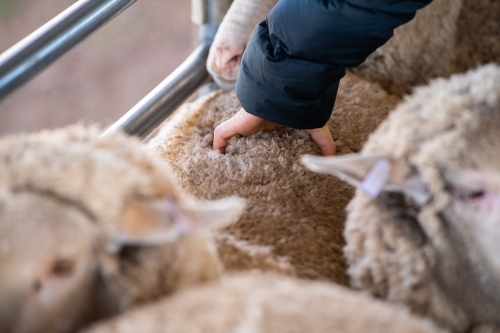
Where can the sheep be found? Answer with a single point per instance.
(294, 218)
(266, 303)
(422, 229)
(409, 58)
(91, 226)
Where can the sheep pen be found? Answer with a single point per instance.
(266, 303)
(294, 219)
(428, 236)
(92, 226)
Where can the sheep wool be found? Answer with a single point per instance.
(477, 34)
(76, 164)
(266, 303)
(438, 257)
(294, 219)
(86, 218)
(446, 37)
(420, 50)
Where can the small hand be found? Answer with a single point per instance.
(245, 124)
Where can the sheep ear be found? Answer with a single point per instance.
(351, 168)
(213, 214)
(371, 173)
(156, 222)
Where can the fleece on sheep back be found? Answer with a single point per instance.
(478, 33)
(294, 218)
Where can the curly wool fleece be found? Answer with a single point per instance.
(294, 218)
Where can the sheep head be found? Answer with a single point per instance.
(225, 54)
(92, 226)
(46, 264)
(424, 226)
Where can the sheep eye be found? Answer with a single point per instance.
(473, 194)
(63, 267)
(37, 285)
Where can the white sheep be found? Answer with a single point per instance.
(423, 229)
(420, 50)
(266, 303)
(294, 219)
(90, 226)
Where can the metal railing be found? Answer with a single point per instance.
(161, 102)
(147, 115)
(31, 55)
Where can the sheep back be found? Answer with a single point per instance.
(420, 50)
(477, 34)
(267, 303)
(294, 218)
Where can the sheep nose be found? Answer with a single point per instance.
(226, 57)
(7, 315)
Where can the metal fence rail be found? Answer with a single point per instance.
(35, 52)
(31, 55)
(145, 117)
(162, 101)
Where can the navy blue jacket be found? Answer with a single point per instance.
(294, 60)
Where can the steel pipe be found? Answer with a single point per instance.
(144, 118)
(162, 101)
(35, 52)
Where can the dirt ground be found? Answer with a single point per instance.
(104, 76)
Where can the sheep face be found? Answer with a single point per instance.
(59, 271)
(423, 226)
(476, 204)
(467, 248)
(46, 265)
(224, 59)
(453, 200)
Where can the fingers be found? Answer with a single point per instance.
(222, 134)
(241, 123)
(323, 138)
(244, 123)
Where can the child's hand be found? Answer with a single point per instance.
(245, 124)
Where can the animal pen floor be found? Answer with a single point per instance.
(104, 76)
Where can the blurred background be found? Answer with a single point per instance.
(105, 75)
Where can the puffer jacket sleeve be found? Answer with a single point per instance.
(294, 60)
